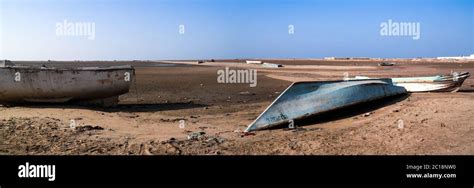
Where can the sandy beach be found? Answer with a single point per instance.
(178, 108)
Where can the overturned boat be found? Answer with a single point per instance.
(86, 85)
(304, 99)
(438, 83)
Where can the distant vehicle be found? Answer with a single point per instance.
(386, 64)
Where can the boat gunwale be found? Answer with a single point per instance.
(110, 68)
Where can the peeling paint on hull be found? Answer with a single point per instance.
(20, 84)
(303, 99)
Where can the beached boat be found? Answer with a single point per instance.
(439, 83)
(88, 85)
(304, 99)
(386, 64)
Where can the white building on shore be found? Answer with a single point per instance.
(471, 57)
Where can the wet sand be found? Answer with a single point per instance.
(172, 100)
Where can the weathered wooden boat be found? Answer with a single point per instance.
(439, 83)
(304, 99)
(87, 85)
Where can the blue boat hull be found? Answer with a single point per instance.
(303, 99)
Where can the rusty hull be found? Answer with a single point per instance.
(23, 84)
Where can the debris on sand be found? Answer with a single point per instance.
(243, 133)
(88, 128)
(127, 115)
(196, 142)
(246, 93)
(424, 120)
(173, 120)
(196, 135)
(214, 140)
(367, 114)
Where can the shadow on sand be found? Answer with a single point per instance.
(153, 107)
(347, 112)
(466, 90)
(121, 107)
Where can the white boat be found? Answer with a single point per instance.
(439, 83)
(88, 85)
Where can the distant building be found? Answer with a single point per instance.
(347, 58)
(253, 62)
(5, 63)
(360, 58)
(471, 57)
(336, 58)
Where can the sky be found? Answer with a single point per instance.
(205, 29)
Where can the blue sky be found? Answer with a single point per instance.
(141, 29)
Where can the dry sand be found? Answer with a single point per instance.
(165, 96)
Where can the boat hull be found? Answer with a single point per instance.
(440, 83)
(443, 83)
(51, 85)
(303, 99)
